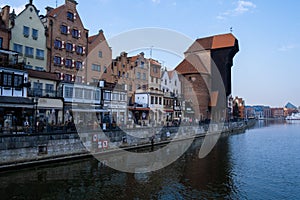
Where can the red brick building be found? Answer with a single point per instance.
(206, 59)
(4, 27)
(67, 43)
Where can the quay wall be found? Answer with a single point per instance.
(19, 149)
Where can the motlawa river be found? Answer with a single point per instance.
(262, 163)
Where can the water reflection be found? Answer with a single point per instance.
(188, 177)
(240, 166)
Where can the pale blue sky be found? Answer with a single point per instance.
(265, 69)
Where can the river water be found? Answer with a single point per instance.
(262, 163)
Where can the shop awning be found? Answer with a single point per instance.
(16, 102)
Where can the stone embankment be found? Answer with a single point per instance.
(21, 150)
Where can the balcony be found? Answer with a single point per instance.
(33, 92)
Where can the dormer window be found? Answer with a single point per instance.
(70, 16)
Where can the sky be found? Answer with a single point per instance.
(265, 71)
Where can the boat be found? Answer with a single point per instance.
(293, 116)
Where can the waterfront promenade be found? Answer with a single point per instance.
(19, 150)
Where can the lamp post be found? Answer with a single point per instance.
(101, 86)
(36, 101)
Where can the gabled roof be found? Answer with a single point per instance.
(290, 106)
(191, 65)
(213, 42)
(56, 11)
(154, 62)
(99, 36)
(134, 58)
(171, 74)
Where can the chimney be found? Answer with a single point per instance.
(5, 15)
(71, 4)
(48, 9)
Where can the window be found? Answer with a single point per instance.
(96, 67)
(142, 64)
(79, 49)
(57, 44)
(57, 60)
(78, 79)
(25, 31)
(106, 95)
(159, 100)
(105, 69)
(28, 66)
(29, 52)
(70, 16)
(18, 48)
(152, 100)
(38, 88)
(156, 100)
(35, 34)
(87, 94)
(138, 75)
(95, 80)
(138, 86)
(7, 80)
(130, 87)
(68, 63)
(37, 68)
(166, 82)
(115, 96)
(97, 95)
(75, 33)
(144, 76)
(49, 88)
(64, 29)
(40, 54)
(100, 54)
(78, 65)
(68, 92)
(175, 83)
(69, 47)
(1, 42)
(68, 78)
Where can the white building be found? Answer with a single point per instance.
(28, 38)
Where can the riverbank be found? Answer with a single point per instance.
(19, 151)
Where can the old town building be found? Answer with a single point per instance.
(4, 27)
(28, 38)
(67, 43)
(99, 59)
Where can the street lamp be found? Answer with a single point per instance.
(101, 86)
(36, 101)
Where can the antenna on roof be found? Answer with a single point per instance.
(151, 51)
(56, 3)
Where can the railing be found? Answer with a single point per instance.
(32, 92)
